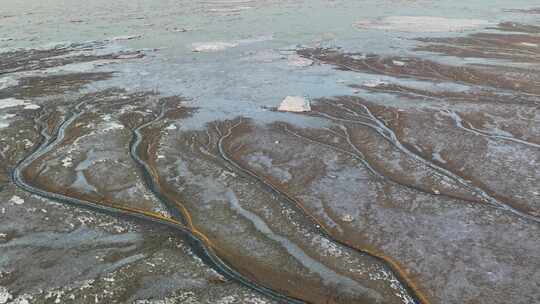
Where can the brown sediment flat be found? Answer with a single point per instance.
(112, 179)
(516, 47)
(476, 96)
(35, 59)
(313, 290)
(509, 26)
(307, 164)
(415, 67)
(306, 176)
(36, 86)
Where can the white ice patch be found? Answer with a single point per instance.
(22, 299)
(80, 67)
(31, 107)
(67, 162)
(215, 46)
(529, 44)
(6, 82)
(4, 120)
(212, 46)
(298, 61)
(112, 126)
(421, 24)
(373, 83)
(130, 56)
(17, 201)
(5, 296)
(438, 157)
(295, 104)
(347, 218)
(13, 102)
(128, 37)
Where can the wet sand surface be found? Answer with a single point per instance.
(143, 158)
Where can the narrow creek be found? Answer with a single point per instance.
(197, 241)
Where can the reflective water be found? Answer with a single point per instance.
(249, 69)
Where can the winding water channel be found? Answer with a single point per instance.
(196, 240)
(408, 175)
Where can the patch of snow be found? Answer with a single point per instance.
(7, 81)
(130, 56)
(436, 155)
(295, 104)
(529, 44)
(421, 24)
(347, 218)
(299, 61)
(171, 127)
(255, 39)
(4, 123)
(226, 300)
(112, 126)
(256, 301)
(67, 162)
(31, 107)
(399, 63)
(373, 83)
(23, 299)
(216, 46)
(5, 296)
(212, 46)
(127, 37)
(17, 200)
(13, 102)
(79, 67)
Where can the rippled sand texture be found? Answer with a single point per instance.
(151, 167)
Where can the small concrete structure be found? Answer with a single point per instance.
(295, 104)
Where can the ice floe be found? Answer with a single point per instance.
(421, 24)
(13, 102)
(127, 37)
(212, 46)
(215, 46)
(298, 61)
(373, 83)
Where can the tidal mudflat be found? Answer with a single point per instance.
(270, 152)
